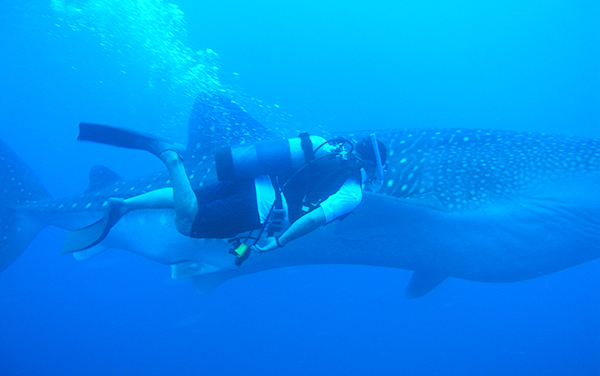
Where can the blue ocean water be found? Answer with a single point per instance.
(518, 65)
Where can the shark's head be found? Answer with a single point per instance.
(461, 169)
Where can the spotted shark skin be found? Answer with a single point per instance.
(481, 205)
(461, 169)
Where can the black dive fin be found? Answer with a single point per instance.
(125, 138)
(89, 236)
(422, 282)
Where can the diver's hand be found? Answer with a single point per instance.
(270, 245)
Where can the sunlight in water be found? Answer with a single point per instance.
(147, 36)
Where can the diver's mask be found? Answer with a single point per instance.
(371, 156)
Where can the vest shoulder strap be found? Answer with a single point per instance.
(307, 146)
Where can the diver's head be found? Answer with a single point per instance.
(372, 153)
(366, 152)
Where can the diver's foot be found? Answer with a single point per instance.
(116, 206)
(170, 157)
(163, 149)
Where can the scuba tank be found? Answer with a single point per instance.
(282, 157)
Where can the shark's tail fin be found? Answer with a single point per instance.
(19, 187)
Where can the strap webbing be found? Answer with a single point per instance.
(307, 146)
(277, 214)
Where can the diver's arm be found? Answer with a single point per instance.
(345, 200)
(304, 225)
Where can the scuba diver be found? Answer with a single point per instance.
(285, 188)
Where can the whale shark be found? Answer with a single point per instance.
(475, 204)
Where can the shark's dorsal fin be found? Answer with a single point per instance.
(217, 120)
(101, 177)
(422, 282)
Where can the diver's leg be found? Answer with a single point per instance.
(184, 198)
(157, 199)
(181, 197)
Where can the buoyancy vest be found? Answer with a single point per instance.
(307, 189)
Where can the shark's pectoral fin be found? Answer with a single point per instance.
(205, 283)
(90, 252)
(205, 277)
(422, 282)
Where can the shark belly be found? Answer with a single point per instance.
(528, 235)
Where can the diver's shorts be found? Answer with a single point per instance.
(226, 209)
